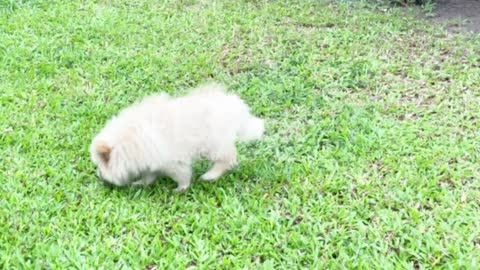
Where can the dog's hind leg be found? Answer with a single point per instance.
(221, 165)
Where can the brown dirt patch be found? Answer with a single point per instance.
(460, 15)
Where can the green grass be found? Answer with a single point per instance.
(371, 158)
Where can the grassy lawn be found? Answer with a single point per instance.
(370, 161)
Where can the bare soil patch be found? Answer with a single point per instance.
(460, 15)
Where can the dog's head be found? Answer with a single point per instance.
(114, 164)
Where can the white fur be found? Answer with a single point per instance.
(165, 135)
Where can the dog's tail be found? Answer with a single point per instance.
(252, 130)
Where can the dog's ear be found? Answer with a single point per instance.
(103, 151)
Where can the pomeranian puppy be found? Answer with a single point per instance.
(165, 135)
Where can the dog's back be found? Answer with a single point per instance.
(212, 105)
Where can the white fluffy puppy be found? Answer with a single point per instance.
(165, 135)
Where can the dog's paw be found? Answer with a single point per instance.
(145, 181)
(139, 183)
(210, 176)
(181, 189)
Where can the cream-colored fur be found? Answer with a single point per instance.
(165, 135)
